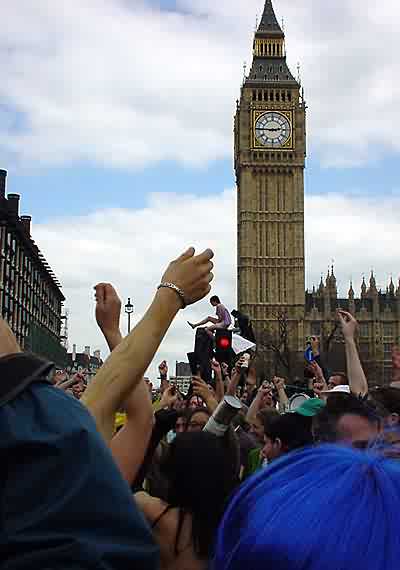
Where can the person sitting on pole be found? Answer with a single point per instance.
(222, 321)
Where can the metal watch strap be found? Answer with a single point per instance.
(178, 291)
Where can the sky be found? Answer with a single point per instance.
(116, 121)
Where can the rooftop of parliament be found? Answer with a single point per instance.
(30, 295)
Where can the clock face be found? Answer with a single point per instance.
(272, 129)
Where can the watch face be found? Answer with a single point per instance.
(272, 129)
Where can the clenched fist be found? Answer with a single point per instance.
(192, 274)
(108, 308)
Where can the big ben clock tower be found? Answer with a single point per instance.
(270, 148)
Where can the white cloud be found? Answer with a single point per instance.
(130, 248)
(122, 84)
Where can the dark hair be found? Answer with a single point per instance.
(338, 405)
(215, 299)
(201, 477)
(293, 430)
(389, 398)
(266, 415)
(190, 415)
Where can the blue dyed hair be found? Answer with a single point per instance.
(324, 508)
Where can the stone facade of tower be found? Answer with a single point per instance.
(378, 314)
(270, 149)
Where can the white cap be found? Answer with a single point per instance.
(342, 389)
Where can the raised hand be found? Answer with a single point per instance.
(279, 383)
(192, 274)
(348, 324)
(163, 369)
(216, 367)
(108, 308)
(169, 397)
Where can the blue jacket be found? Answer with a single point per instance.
(64, 503)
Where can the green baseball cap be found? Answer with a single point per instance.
(311, 408)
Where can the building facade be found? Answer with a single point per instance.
(270, 149)
(378, 314)
(270, 153)
(30, 296)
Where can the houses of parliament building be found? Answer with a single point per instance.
(270, 154)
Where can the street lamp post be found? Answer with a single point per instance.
(129, 311)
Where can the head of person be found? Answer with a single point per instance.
(197, 419)
(346, 420)
(292, 515)
(215, 301)
(235, 314)
(337, 379)
(181, 423)
(262, 420)
(200, 471)
(389, 400)
(286, 433)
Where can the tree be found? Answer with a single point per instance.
(277, 340)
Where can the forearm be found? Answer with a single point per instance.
(233, 384)
(253, 410)
(128, 362)
(129, 445)
(219, 387)
(357, 379)
(113, 338)
(283, 401)
(67, 384)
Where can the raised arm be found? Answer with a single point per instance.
(357, 379)
(108, 313)
(8, 342)
(283, 400)
(129, 445)
(219, 382)
(128, 362)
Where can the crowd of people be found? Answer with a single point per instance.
(233, 474)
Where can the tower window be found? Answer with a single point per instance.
(283, 96)
(260, 95)
(281, 69)
(274, 50)
(265, 94)
(289, 96)
(269, 49)
(254, 95)
(261, 68)
(271, 69)
(271, 95)
(277, 77)
(277, 96)
(265, 78)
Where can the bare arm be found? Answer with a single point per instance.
(8, 342)
(219, 383)
(283, 403)
(254, 408)
(357, 379)
(128, 362)
(235, 378)
(129, 445)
